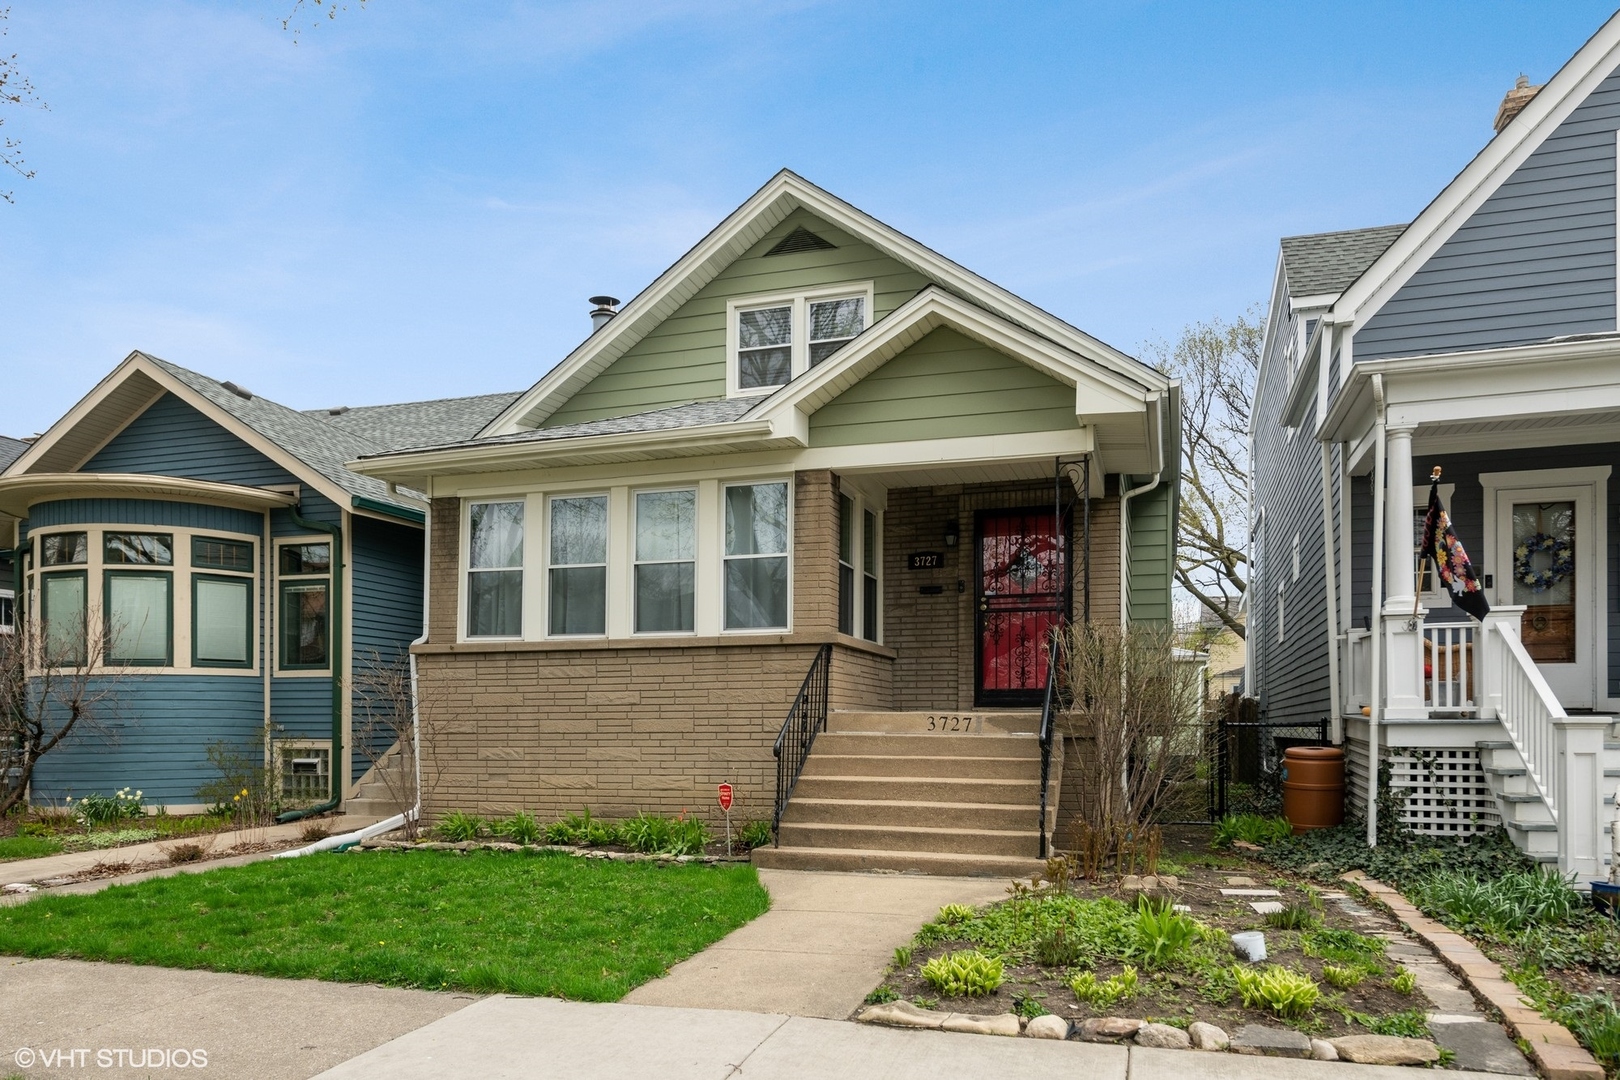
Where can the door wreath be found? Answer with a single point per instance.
(1562, 565)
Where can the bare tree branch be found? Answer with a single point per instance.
(330, 8)
(1216, 362)
(15, 89)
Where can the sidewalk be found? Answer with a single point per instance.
(502, 1038)
(819, 950)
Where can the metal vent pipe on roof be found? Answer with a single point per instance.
(605, 308)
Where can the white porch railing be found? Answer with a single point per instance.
(1448, 665)
(1357, 669)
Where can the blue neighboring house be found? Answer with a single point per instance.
(10, 450)
(232, 571)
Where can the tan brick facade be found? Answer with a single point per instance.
(555, 727)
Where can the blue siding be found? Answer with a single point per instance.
(152, 735)
(301, 708)
(1536, 260)
(387, 613)
(145, 512)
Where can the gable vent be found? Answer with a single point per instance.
(800, 239)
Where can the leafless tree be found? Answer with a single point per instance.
(1139, 714)
(1216, 362)
(50, 692)
(293, 23)
(15, 89)
(386, 735)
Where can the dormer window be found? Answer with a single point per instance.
(772, 340)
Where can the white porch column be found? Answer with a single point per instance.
(1399, 584)
(1403, 664)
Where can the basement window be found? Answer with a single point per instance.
(305, 772)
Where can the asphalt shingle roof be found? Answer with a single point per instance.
(692, 414)
(1328, 262)
(10, 450)
(417, 423)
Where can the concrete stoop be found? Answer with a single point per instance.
(372, 796)
(932, 793)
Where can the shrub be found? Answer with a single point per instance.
(1104, 993)
(313, 831)
(754, 834)
(1292, 917)
(1251, 829)
(184, 853)
(967, 973)
(653, 835)
(1286, 993)
(1501, 905)
(96, 810)
(1058, 948)
(458, 827)
(1403, 983)
(1342, 976)
(1161, 934)
(520, 828)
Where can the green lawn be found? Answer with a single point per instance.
(544, 923)
(27, 847)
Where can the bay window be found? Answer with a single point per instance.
(138, 610)
(62, 597)
(577, 578)
(221, 621)
(755, 556)
(495, 570)
(665, 561)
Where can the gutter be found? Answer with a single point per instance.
(335, 616)
(345, 841)
(401, 513)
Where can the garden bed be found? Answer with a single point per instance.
(1107, 948)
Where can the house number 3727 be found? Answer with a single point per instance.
(950, 723)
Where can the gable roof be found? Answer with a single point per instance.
(416, 423)
(308, 445)
(10, 450)
(1497, 161)
(742, 228)
(1326, 263)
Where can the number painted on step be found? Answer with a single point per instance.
(951, 723)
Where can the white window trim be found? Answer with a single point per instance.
(466, 569)
(865, 503)
(723, 558)
(274, 594)
(800, 302)
(635, 562)
(180, 571)
(8, 627)
(543, 591)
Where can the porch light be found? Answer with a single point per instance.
(950, 533)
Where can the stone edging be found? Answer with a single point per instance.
(576, 852)
(1556, 1052)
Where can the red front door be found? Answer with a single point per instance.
(1023, 587)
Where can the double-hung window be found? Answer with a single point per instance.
(773, 340)
(305, 631)
(869, 575)
(8, 611)
(495, 570)
(63, 598)
(138, 605)
(221, 603)
(847, 517)
(756, 556)
(665, 561)
(577, 579)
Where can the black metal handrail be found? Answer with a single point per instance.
(807, 717)
(1048, 707)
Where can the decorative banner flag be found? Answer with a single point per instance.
(1440, 543)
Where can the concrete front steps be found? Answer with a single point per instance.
(1524, 813)
(374, 794)
(926, 792)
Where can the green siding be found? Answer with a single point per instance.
(945, 386)
(684, 358)
(1152, 554)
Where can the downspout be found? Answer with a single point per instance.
(1375, 708)
(335, 616)
(267, 638)
(1328, 566)
(387, 825)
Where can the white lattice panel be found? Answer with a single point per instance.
(1443, 792)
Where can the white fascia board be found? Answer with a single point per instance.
(783, 194)
(1590, 65)
(137, 361)
(1275, 314)
(19, 493)
(1097, 390)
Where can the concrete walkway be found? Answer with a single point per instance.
(501, 1038)
(821, 948)
(266, 1029)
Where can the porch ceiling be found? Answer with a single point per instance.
(1516, 432)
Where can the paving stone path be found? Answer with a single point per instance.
(1456, 1023)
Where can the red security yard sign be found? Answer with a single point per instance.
(725, 796)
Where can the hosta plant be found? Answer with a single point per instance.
(1103, 993)
(1284, 992)
(954, 914)
(1161, 934)
(967, 973)
(1342, 976)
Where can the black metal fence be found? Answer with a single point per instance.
(1243, 756)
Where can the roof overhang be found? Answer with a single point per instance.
(746, 226)
(20, 493)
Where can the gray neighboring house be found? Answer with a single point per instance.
(1480, 339)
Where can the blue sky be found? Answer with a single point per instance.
(415, 200)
